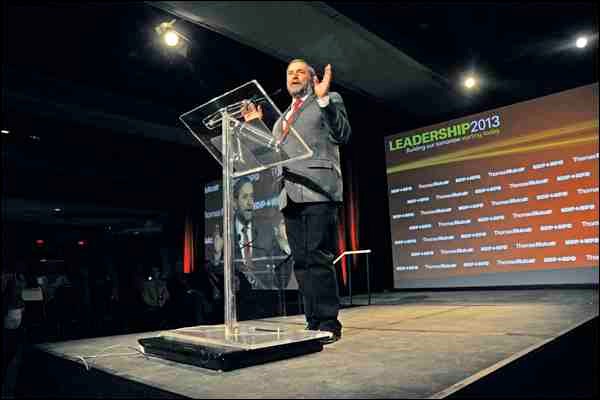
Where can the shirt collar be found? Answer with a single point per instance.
(303, 98)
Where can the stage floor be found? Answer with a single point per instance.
(404, 345)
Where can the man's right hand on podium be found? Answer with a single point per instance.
(251, 112)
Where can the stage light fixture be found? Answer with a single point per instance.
(581, 42)
(470, 82)
(5, 131)
(172, 38)
(165, 27)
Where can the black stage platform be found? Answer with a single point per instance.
(431, 344)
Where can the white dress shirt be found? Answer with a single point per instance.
(241, 243)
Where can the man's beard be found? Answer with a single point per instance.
(307, 89)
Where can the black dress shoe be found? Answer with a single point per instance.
(311, 327)
(335, 336)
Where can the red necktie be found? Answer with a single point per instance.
(287, 122)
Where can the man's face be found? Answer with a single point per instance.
(245, 202)
(298, 79)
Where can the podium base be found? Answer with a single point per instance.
(207, 346)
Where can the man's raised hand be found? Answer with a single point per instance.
(321, 88)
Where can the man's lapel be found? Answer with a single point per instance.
(311, 97)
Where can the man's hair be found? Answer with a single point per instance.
(237, 186)
(311, 70)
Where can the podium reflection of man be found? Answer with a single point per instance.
(254, 244)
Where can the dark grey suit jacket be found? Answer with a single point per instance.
(318, 178)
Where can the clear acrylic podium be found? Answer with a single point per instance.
(237, 130)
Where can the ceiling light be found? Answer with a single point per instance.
(171, 38)
(174, 39)
(581, 42)
(5, 131)
(470, 82)
(57, 209)
(164, 27)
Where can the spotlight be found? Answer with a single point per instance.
(172, 38)
(470, 82)
(581, 42)
(165, 27)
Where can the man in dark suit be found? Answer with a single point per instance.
(312, 189)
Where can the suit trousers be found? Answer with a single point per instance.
(312, 232)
